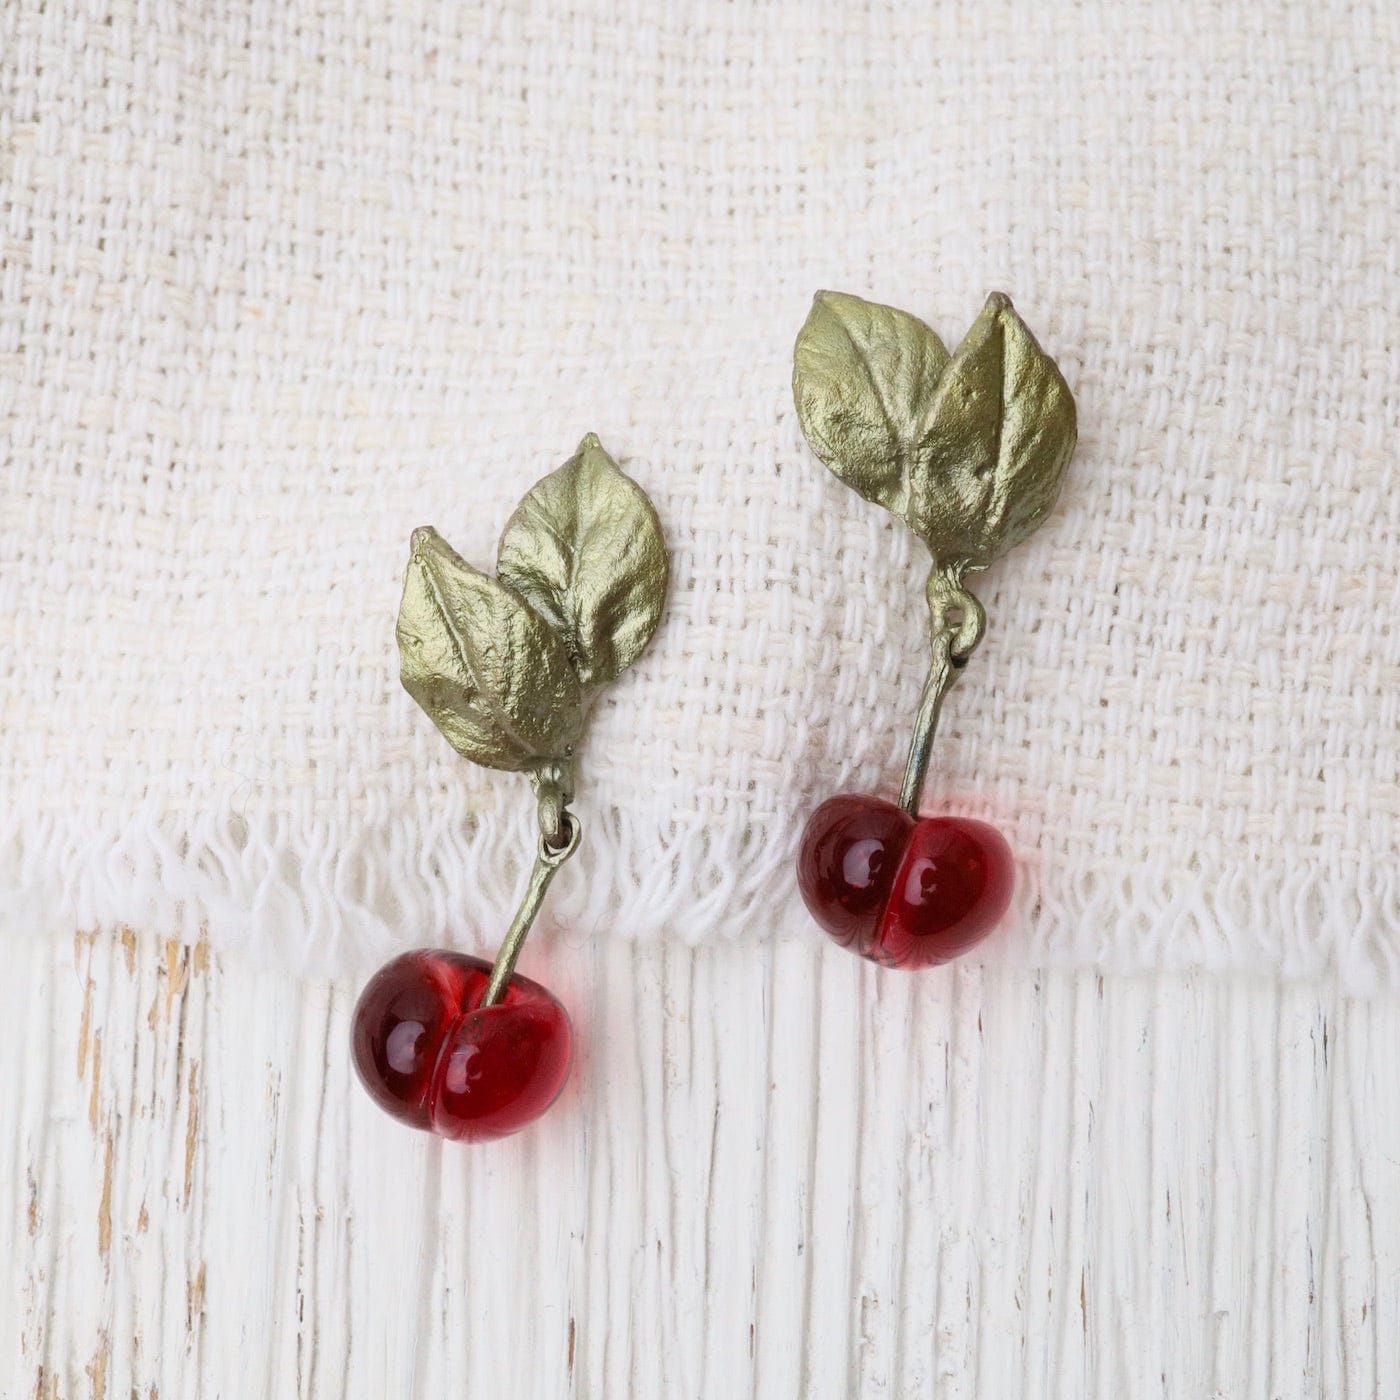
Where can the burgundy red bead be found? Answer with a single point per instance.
(434, 1058)
(901, 892)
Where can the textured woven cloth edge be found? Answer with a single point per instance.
(314, 904)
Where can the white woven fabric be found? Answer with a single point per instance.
(282, 281)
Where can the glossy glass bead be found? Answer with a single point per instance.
(431, 1056)
(902, 893)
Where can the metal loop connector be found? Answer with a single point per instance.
(572, 830)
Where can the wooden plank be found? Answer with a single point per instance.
(778, 1172)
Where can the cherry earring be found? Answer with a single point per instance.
(506, 668)
(969, 451)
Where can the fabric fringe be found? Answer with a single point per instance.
(317, 901)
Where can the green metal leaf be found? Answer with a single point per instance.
(1001, 430)
(863, 378)
(968, 451)
(486, 667)
(585, 550)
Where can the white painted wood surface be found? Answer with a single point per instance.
(778, 1173)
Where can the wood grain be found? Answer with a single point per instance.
(778, 1172)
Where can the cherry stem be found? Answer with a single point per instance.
(547, 862)
(942, 673)
(957, 621)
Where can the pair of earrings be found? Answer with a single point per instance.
(968, 449)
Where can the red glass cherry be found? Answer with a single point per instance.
(899, 892)
(847, 863)
(431, 1056)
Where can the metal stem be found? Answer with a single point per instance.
(547, 862)
(942, 672)
(956, 624)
